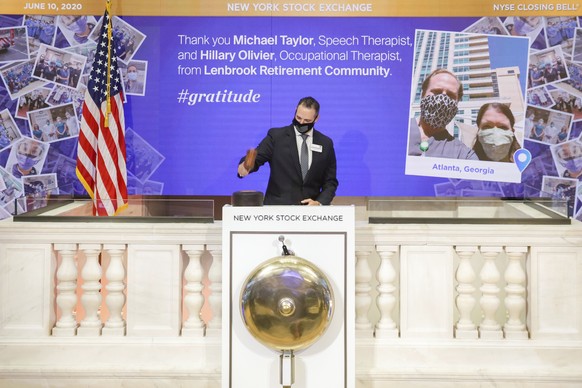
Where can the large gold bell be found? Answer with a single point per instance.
(286, 303)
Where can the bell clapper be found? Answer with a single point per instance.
(286, 252)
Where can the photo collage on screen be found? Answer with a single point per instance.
(45, 62)
(552, 123)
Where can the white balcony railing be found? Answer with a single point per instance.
(444, 304)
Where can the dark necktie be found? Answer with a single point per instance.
(304, 156)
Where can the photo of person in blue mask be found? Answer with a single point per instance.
(568, 157)
(29, 157)
(79, 25)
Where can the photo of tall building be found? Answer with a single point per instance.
(469, 57)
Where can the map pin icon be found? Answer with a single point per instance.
(522, 157)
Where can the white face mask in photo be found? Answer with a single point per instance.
(496, 142)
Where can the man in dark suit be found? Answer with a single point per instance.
(285, 151)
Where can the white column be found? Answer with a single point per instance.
(386, 300)
(515, 279)
(66, 299)
(490, 328)
(215, 297)
(115, 300)
(363, 299)
(193, 298)
(465, 275)
(91, 298)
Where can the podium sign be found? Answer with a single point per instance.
(322, 235)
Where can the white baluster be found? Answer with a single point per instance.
(215, 297)
(115, 300)
(363, 299)
(91, 299)
(66, 299)
(490, 328)
(193, 298)
(515, 294)
(386, 301)
(465, 275)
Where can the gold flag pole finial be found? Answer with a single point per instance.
(109, 53)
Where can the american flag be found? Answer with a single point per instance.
(101, 151)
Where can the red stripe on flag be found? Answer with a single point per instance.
(101, 155)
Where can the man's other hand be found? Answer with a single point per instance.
(242, 171)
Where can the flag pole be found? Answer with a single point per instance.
(109, 35)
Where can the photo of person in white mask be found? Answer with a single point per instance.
(133, 84)
(496, 139)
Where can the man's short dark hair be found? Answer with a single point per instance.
(440, 71)
(311, 103)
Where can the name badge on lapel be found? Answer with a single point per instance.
(316, 148)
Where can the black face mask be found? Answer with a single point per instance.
(302, 128)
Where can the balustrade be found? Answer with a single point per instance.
(94, 300)
(215, 297)
(66, 298)
(465, 276)
(89, 294)
(363, 301)
(386, 301)
(193, 299)
(91, 298)
(503, 291)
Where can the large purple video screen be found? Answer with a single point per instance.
(200, 91)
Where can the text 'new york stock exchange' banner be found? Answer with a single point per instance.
(205, 80)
